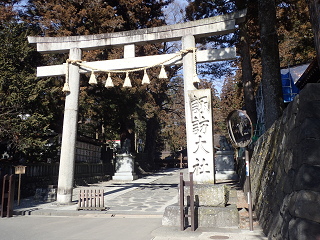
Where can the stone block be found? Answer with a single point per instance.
(291, 122)
(204, 216)
(226, 175)
(279, 229)
(287, 160)
(310, 92)
(301, 229)
(51, 193)
(218, 216)
(308, 178)
(208, 195)
(305, 204)
(224, 161)
(308, 110)
(40, 194)
(171, 216)
(280, 225)
(309, 128)
(124, 163)
(286, 114)
(293, 137)
(293, 107)
(124, 176)
(306, 152)
(124, 168)
(288, 182)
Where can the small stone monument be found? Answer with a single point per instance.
(225, 161)
(125, 163)
(211, 208)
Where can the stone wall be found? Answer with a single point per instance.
(285, 171)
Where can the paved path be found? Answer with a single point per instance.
(148, 195)
(134, 211)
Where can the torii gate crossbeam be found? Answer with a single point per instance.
(186, 32)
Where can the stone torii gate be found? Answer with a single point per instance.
(197, 102)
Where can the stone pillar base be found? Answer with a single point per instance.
(124, 168)
(214, 217)
(225, 166)
(124, 176)
(226, 175)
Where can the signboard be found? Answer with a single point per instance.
(20, 169)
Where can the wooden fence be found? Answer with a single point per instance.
(47, 170)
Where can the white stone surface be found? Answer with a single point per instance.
(129, 51)
(69, 133)
(217, 25)
(200, 136)
(210, 55)
(124, 168)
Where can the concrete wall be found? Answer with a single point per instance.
(285, 171)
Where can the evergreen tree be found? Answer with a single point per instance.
(108, 113)
(295, 42)
(173, 129)
(314, 10)
(24, 100)
(294, 33)
(231, 98)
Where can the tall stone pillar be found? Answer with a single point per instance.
(188, 41)
(69, 132)
(199, 125)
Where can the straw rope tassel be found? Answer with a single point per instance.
(163, 74)
(145, 79)
(92, 80)
(127, 82)
(109, 82)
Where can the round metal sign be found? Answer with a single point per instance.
(240, 128)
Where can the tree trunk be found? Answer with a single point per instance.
(247, 78)
(151, 136)
(271, 77)
(126, 132)
(314, 12)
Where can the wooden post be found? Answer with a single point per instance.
(19, 170)
(7, 195)
(183, 215)
(181, 202)
(249, 188)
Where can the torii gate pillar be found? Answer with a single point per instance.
(188, 41)
(69, 132)
(197, 102)
(199, 120)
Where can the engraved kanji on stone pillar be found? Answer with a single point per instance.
(201, 157)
